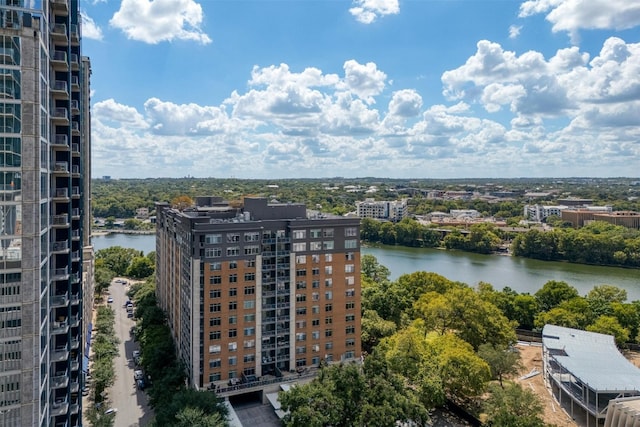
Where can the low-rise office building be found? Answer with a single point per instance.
(394, 210)
(257, 288)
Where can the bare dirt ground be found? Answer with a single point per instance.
(531, 357)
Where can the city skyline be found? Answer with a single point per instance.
(399, 89)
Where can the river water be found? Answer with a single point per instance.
(520, 274)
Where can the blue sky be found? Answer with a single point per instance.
(354, 88)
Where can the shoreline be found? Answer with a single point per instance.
(95, 233)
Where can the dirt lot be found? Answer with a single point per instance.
(531, 357)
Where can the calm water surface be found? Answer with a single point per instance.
(521, 274)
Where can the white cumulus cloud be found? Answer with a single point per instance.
(367, 11)
(90, 29)
(155, 21)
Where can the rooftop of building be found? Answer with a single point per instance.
(591, 357)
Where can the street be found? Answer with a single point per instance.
(132, 404)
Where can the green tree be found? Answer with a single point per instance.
(601, 297)
(194, 417)
(116, 259)
(374, 328)
(204, 402)
(503, 361)
(553, 293)
(513, 406)
(371, 269)
(103, 278)
(140, 267)
(609, 325)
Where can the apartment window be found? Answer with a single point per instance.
(249, 318)
(315, 271)
(328, 295)
(350, 318)
(215, 280)
(301, 272)
(233, 251)
(349, 354)
(233, 278)
(249, 277)
(233, 237)
(214, 349)
(215, 335)
(350, 305)
(301, 362)
(233, 346)
(233, 360)
(302, 349)
(351, 231)
(250, 331)
(328, 257)
(328, 307)
(251, 250)
(233, 292)
(315, 284)
(215, 363)
(315, 348)
(350, 243)
(233, 265)
(233, 333)
(301, 324)
(301, 285)
(215, 293)
(328, 332)
(299, 234)
(253, 236)
(349, 268)
(215, 266)
(327, 245)
(248, 358)
(301, 311)
(350, 256)
(215, 377)
(350, 292)
(315, 233)
(249, 290)
(315, 335)
(328, 283)
(215, 321)
(213, 239)
(328, 320)
(249, 343)
(315, 246)
(315, 259)
(233, 320)
(233, 305)
(249, 263)
(327, 232)
(328, 269)
(350, 330)
(315, 309)
(350, 342)
(328, 345)
(212, 252)
(249, 304)
(301, 259)
(315, 322)
(301, 336)
(350, 280)
(214, 308)
(301, 297)
(315, 296)
(300, 247)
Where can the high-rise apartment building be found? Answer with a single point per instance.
(44, 183)
(257, 288)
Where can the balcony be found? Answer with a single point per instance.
(75, 386)
(60, 220)
(74, 321)
(7, 56)
(60, 7)
(61, 193)
(59, 60)
(60, 354)
(59, 300)
(75, 83)
(75, 256)
(75, 128)
(59, 407)
(60, 87)
(60, 380)
(75, 149)
(75, 63)
(75, 343)
(75, 234)
(75, 35)
(61, 246)
(58, 328)
(75, 106)
(59, 274)
(75, 213)
(75, 299)
(75, 191)
(61, 140)
(61, 167)
(60, 115)
(75, 365)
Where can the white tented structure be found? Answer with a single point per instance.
(585, 371)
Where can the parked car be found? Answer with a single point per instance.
(111, 411)
(140, 383)
(110, 299)
(136, 353)
(138, 374)
(130, 314)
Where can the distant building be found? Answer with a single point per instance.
(464, 213)
(538, 213)
(385, 210)
(259, 289)
(583, 216)
(627, 219)
(142, 213)
(574, 201)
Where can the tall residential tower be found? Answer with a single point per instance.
(257, 289)
(44, 204)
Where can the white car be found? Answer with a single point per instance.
(138, 374)
(111, 411)
(110, 299)
(136, 353)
